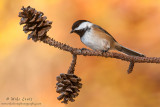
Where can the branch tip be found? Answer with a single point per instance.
(131, 66)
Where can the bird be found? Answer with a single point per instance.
(96, 38)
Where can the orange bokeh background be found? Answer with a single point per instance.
(29, 69)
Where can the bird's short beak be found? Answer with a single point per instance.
(72, 31)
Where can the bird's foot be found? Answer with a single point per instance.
(82, 49)
(104, 51)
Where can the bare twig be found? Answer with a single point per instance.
(131, 65)
(78, 51)
(73, 64)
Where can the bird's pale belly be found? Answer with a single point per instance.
(95, 42)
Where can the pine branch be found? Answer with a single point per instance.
(68, 85)
(78, 51)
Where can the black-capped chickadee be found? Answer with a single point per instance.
(97, 38)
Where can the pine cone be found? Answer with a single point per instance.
(35, 23)
(68, 86)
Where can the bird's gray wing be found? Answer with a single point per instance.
(105, 31)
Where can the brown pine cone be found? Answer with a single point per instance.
(68, 86)
(35, 23)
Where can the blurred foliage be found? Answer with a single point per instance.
(29, 69)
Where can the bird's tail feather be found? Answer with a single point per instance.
(127, 51)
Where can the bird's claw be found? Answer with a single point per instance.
(83, 49)
(104, 51)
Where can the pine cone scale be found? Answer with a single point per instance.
(70, 87)
(35, 23)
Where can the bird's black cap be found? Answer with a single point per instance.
(77, 23)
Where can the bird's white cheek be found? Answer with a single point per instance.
(84, 25)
